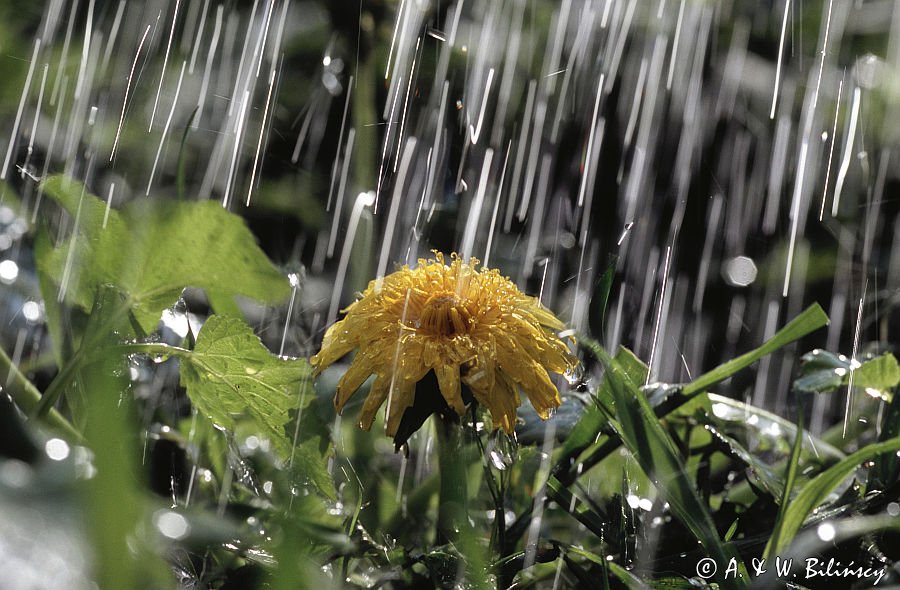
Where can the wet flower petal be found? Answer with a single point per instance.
(470, 326)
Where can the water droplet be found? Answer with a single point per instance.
(498, 460)
(9, 270)
(15, 474)
(171, 524)
(826, 531)
(32, 311)
(57, 449)
(574, 374)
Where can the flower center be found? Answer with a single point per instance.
(444, 315)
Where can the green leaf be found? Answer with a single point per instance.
(789, 480)
(594, 419)
(230, 375)
(878, 377)
(152, 250)
(628, 579)
(768, 479)
(825, 372)
(759, 439)
(816, 491)
(113, 503)
(887, 467)
(821, 371)
(580, 511)
(811, 544)
(600, 298)
(812, 318)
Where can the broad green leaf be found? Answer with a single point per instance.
(311, 442)
(768, 479)
(760, 424)
(657, 454)
(812, 318)
(878, 376)
(760, 440)
(816, 491)
(231, 375)
(152, 250)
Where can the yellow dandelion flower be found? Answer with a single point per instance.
(471, 327)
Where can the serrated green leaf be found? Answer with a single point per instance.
(152, 250)
(230, 374)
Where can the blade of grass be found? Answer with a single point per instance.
(812, 318)
(571, 504)
(597, 311)
(790, 478)
(845, 529)
(816, 491)
(628, 579)
(657, 454)
(588, 429)
(179, 180)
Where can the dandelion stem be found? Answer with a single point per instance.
(452, 499)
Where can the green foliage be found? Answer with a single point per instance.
(812, 318)
(105, 286)
(152, 250)
(789, 480)
(816, 491)
(656, 452)
(878, 376)
(825, 372)
(230, 374)
(113, 272)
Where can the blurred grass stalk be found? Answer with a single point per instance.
(114, 511)
(28, 398)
